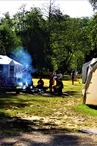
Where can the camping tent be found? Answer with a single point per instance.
(86, 69)
(90, 88)
(9, 67)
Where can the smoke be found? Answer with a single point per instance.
(23, 57)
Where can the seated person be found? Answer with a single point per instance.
(40, 83)
(58, 87)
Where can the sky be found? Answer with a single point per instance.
(73, 8)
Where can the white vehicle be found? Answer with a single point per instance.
(9, 69)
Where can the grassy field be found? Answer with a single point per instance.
(35, 111)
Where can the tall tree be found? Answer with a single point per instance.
(31, 29)
(8, 38)
(93, 37)
(93, 3)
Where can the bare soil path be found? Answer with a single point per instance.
(49, 138)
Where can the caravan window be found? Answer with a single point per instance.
(11, 71)
(12, 68)
(1, 67)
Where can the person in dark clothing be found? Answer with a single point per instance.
(40, 83)
(51, 82)
(73, 76)
(58, 87)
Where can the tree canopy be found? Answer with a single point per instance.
(56, 42)
(94, 4)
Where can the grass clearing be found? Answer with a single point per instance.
(45, 112)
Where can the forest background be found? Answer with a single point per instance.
(56, 42)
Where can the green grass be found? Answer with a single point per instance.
(86, 110)
(58, 112)
(30, 105)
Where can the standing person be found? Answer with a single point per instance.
(73, 76)
(51, 82)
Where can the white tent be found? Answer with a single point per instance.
(86, 69)
(9, 67)
(89, 90)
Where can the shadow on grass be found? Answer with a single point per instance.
(15, 125)
(7, 100)
(92, 106)
(50, 137)
(11, 100)
(71, 93)
(9, 94)
(64, 94)
(13, 128)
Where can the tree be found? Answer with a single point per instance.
(93, 3)
(93, 38)
(8, 38)
(30, 26)
(69, 37)
(57, 42)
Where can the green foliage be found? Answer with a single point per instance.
(31, 29)
(93, 3)
(93, 36)
(8, 38)
(56, 43)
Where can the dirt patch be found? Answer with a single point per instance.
(49, 138)
(32, 132)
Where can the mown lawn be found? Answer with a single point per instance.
(47, 111)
